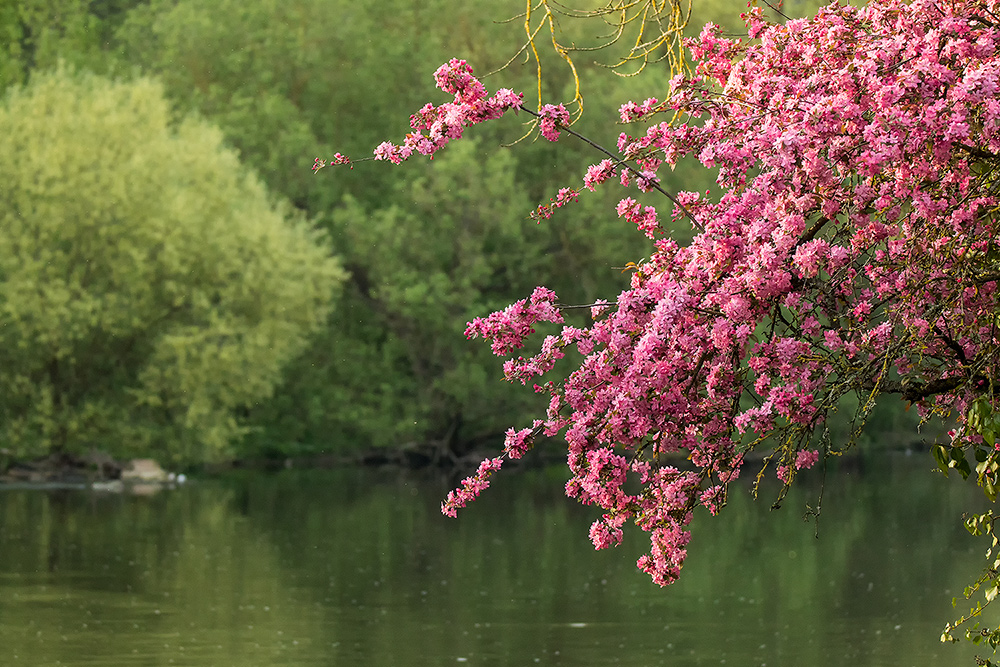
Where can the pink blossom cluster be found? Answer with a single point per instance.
(642, 217)
(551, 117)
(337, 159)
(607, 532)
(839, 247)
(851, 248)
(434, 126)
(598, 173)
(517, 443)
(563, 197)
(471, 487)
(630, 111)
(507, 328)
(804, 458)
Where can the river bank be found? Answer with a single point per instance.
(101, 471)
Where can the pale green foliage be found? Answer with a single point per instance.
(148, 286)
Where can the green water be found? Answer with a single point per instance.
(356, 567)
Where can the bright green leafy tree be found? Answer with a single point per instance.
(150, 289)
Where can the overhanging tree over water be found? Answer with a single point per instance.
(851, 250)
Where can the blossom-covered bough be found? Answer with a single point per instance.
(852, 250)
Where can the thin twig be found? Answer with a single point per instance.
(618, 160)
(587, 305)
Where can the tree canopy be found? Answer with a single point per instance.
(150, 288)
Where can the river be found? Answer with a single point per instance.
(358, 567)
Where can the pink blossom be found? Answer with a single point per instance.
(551, 118)
(847, 241)
(598, 173)
(518, 443)
(607, 531)
(471, 487)
(630, 111)
(508, 328)
(810, 256)
(806, 459)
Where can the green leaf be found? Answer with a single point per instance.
(941, 457)
(989, 488)
(974, 523)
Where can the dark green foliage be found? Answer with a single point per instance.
(38, 34)
(451, 242)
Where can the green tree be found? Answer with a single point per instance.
(37, 34)
(395, 367)
(287, 79)
(150, 289)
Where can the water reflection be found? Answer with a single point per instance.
(358, 567)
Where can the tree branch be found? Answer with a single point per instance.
(915, 392)
(977, 152)
(619, 161)
(952, 345)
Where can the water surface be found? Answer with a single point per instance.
(357, 567)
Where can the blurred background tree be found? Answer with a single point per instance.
(150, 289)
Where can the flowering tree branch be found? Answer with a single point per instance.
(617, 162)
(851, 250)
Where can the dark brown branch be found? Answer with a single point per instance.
(918, 391)
(986, 278)
(811, 233)
(978, 152)
(952, 345)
